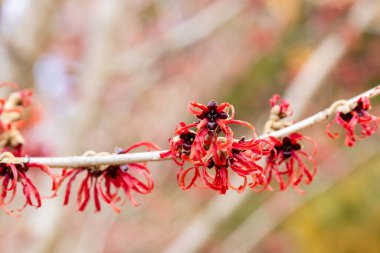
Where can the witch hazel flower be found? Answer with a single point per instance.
(181, 144)
(288, 162)
(11, 112)
(280, 109)
(13, 175)
(213, 132)
(281, 106)
(212, 115)
(243, 164)
(215, 175)
(111, 184)
(357, 123)
(12, 141)
(214, 120)
(208, 146)
(12, 108)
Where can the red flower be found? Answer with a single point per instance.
(212, 115)
(213, 120)
(215, 174)
(283, 107)
(112, 184)
(12, 108)
(287, 162)
(181, 144)
(367, 122)
(209, 147)
(12, 174)
(196, 145)
(18, 150)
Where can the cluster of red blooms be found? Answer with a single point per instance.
(358, 123)
(208, 145)
(213, 155)
(12, 144)
(288, 161)
(207, 152)
(111, 184)
(107, 183)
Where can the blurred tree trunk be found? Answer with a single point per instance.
(26, 39)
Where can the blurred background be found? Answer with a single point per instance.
(110, 73)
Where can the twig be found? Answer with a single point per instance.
(338, 106)
(82, 161)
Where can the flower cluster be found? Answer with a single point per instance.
(212, 152)
(12, 144)
(208, 155)
(289, 161)
(11, 112)
(280, 110)
(110, 183)
(281, 106)
(357, 123)
(12, 174)
(106, 182)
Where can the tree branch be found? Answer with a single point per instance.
(114, 159)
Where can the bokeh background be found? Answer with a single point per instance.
(110, 73)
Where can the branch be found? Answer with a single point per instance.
(338, 106)
(115, 159)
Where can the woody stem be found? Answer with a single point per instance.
(117, 159)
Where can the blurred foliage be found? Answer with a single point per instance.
(344, 219)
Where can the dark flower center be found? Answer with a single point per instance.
(95, 173)
(212, 115)
(188, 139)
(6, 170)
(287, 147)
(112, 171)
(346, 116)
(211, 164)
(359, 109)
